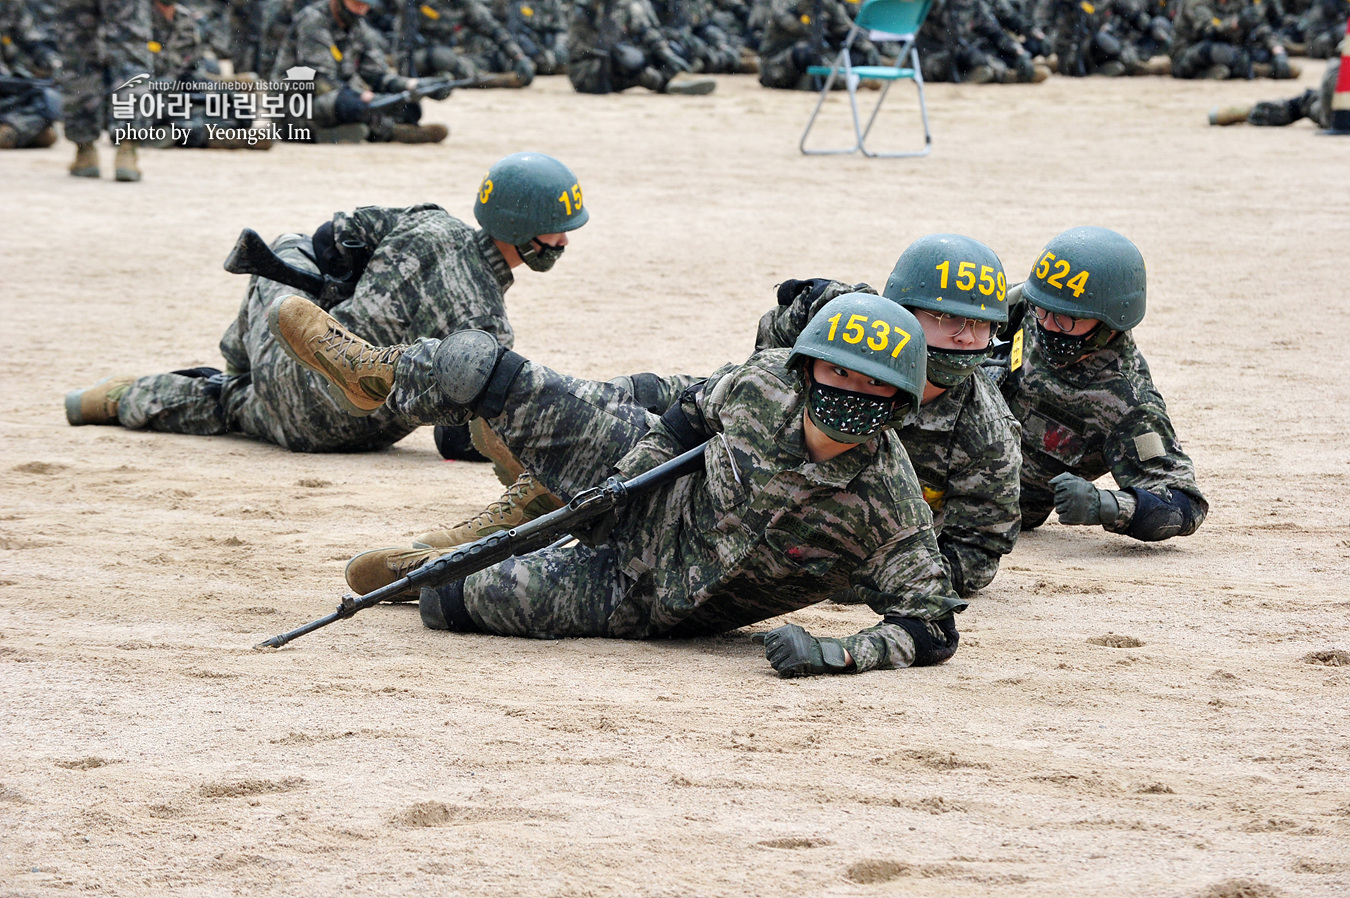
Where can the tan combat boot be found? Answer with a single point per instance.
(124, 163)
(434, 133)
(46, 137)
(524, 500)
(492, 447)
(1039, 72)
(86, 161)
(1158, 65)
(98, 404)
(1231, 115)
(359, 376)
(9, 138)
(748, 63)
(378, 568)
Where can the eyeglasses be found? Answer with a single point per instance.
(954, 326)
(1065, 323)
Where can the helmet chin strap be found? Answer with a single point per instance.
(539, 256)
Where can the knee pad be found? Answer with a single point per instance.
(647, 389)
(442, 608)
(1108, 46)
(1156, 519)
(1223, 54)
(348, 108)
(803, 55)
(934, 641)
(475, 372)
(442, 60)
(629, 60)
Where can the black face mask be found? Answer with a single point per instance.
(848, 417)
(539, 256)
(948, 367)
(1062, 350)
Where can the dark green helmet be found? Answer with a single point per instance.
(950, 274)
(528, 194)
(869, 334)
(1090, 273)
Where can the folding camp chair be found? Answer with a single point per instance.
(881, 20)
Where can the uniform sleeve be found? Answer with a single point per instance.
(314, 47)
(903, 579)
(701, 406)
(374, 65)
(981, 511)
(1143, 452)
(781, 325)
(480, 18)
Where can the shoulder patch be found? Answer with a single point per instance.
(337, 54)
(1149, 445)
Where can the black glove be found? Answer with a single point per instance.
(524, 69)
(1079, 502)
(793, 652)
(672, 60)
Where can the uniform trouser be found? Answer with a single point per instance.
(28, 118)
(596, 74)
(279, 402)
(1197, 59)
(570, 433)
(104, 44)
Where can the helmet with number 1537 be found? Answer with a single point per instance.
(527, 194)
(1090, 273)
(869, 334)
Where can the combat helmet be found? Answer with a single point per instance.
(1090, 273)
(869, 334)
(948, 274)
(527, 194)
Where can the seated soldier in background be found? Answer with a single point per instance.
(805, 491)
(1222, 39)
(464, 39)
(966, 40)
(393, 274)
(1311, 104)
(962, 440)
(613, 45)
(29, 103)
(540, 28)
(350, 66)
(802, 33)
(1083, 394)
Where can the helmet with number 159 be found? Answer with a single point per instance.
(950, 274)
(1090, 273)
(527, 194)
(869, 334)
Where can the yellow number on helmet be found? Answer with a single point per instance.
(486, 191)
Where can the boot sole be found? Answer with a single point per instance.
(692, 90)
(339, 395)
(85, 173)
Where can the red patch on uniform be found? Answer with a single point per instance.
(795, 553)
(1058, 438)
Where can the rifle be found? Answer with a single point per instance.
(586, 508)
(252, 255)
(408, 37)
(436, 88)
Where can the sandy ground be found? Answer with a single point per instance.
(145, 748)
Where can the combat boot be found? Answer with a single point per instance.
(1112, 68)
(1230, 115)
(1158, 65)
(690, 85)
(491, 446)
(98, 404)
(9, 138)
(523, 501)
(378, 568)
(86, 161)
(1039, 72)
(981, 74)
(358, 375)
(124, 164)
(46, 137)
(238, 143)
(748, 64)
(405, 133)
(1217, 73)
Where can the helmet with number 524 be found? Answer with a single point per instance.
(527, 194)
(1090, 273)
(869, 334)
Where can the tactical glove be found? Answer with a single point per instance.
(1079, 502)
(524, 69)
(793, 652)
(672, 60)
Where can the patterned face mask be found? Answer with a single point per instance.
(848, 417)
(539, 256)
(948, 367)
(1062, 350)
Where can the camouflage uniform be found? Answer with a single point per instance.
(964, 40)
(601, 32)
(176, 44)
(463, 39)
(1085, 36)
(540, 28)
(760, 532)
(964, 448)
(688, 27)
(1311, 104)
(1097, 415)
(429, 275)
(104, 43)
(346, 60)
(802, 33)
(1320, 28)
(1233, 34)
(26, 51)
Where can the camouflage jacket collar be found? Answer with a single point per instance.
(496, 260)
(942, 412)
